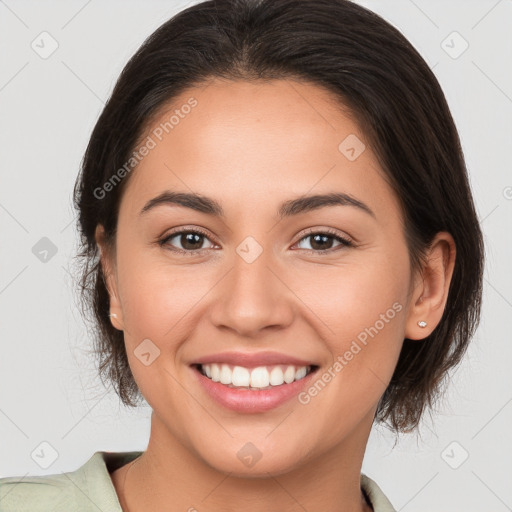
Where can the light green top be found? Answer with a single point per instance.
(90, 488)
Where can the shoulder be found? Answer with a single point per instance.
(36, 493)
(87, 488)
(378, 499)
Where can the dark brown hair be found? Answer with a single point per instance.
(373, 71)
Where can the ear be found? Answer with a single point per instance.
(109, 278)
(430, 292)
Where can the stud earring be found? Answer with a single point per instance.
(422, 323)
(112, 314)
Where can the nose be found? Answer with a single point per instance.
(253, 298)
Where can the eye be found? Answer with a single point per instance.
(322, 241)
(191, 241)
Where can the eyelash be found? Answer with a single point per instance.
(345, 242)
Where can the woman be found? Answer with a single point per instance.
(281, 249)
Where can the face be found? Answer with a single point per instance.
(267, 283)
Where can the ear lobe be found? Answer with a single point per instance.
(430, 294)
(109, 278)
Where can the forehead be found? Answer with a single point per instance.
(252, 141)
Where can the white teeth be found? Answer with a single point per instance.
(215, 371)
(276, 376)
(301, 373)
(225, 374)
(240, 376)
(289, 374)
(260, 377)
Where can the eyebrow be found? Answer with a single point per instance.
(288, 208)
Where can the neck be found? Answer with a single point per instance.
(170, 476)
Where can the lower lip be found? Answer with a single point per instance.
(248, 401)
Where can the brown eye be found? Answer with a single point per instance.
(323, 241)
(191, 241)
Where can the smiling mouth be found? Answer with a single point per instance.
(256, 379)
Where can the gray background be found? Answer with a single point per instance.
(49, 391)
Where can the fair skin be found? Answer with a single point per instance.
(251, 146)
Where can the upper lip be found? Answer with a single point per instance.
(253, 360)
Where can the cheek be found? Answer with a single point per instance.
(363, 305)
(158, 301)
(156, 297)
(351, 297)
(364, 310)
(160, 297)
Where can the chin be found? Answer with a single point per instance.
(253, 460)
